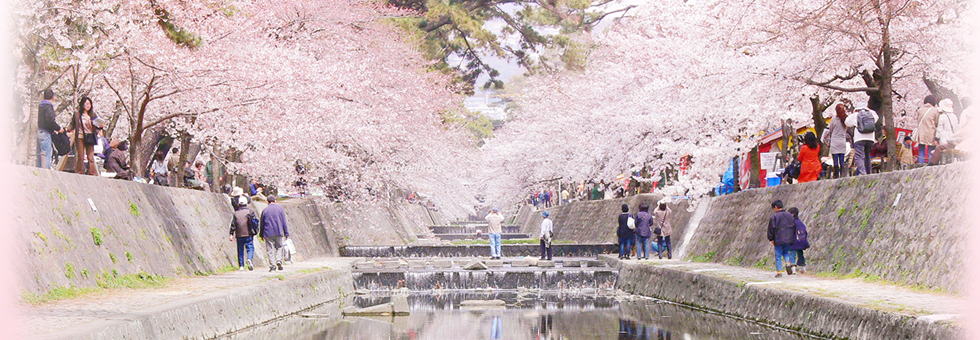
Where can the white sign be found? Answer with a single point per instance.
(767, 160)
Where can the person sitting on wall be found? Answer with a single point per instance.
(118, 163)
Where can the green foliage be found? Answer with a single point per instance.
(175, 33)
(113, 258)
(96, 235)
(55, 294)
(707, 257)
(141, 279)
(281, 277)
(841, 211)
(69, 270)
(41, 236)
(133, 209)
(129, 257)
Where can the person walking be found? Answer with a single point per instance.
(546, 235)
(243, 228)
(781, 234)
(274, 231)
(925, 134)
(863, 121)
(809, 158)
(644, 222)
(800, 243)
(494, 228)
(836, 138)
(85, 138)
(46, 126)
(625, 232)
(662, 217)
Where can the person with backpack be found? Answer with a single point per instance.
(863, 121)
(46, 126)
(800, 243)
(925, 133)
(275, 232)
(644, 226)
(781, 234)
(662, 218)
(835, 137)
(809, 158)
(244, 226)
(625, 232)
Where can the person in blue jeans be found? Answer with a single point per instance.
(643, 223)
(46, 126)
(782, 235)
(243, 230)
(495, 228)
(625, 233)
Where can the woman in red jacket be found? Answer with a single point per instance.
(809, 158)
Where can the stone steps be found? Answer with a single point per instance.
(477, 250)
(482, 236)
(469, 229)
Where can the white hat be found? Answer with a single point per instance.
(236, 191)
(242, 201)
(946, 105)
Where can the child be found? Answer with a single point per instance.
(905, 154)
(801, 243)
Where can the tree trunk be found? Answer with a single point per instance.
(886, 102)
(941, 92)
(819, 123)
(185, 143)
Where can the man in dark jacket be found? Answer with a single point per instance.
(782, 234)
(46, 126)
(117, 162)
(625, 233)
(275, 232)
(243, 232)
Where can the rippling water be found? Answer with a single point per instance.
(526, 316)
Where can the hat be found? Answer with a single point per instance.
(237, 191)
(495, 209)
(242, 201)
(545, 213)
(946, 105)
(860, 105)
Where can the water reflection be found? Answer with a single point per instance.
(579, 317)
(631, 330)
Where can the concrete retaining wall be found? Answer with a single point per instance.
(596, 221)
(799, 311)
(854, 226)
(137, 227)
(221, 312)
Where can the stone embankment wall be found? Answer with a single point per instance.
(808, 313)
(905, 226)
(596, 221)
(73, 229)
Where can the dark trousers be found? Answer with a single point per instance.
(838, 164)
(544, 249)
(862, 156)
(800, 260)
(663, 242)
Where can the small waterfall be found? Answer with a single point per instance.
(692, 226)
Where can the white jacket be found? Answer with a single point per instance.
(546, 229)
(851, 122)
(947, 126)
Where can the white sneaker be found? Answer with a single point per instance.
(248, 263)
(241, 268)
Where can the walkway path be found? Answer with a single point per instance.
(859, 292)
(82, 315)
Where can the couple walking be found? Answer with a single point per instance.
(271, 228)
(638, 230)
(788, 236)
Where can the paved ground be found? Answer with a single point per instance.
(113, 304)
(859, 292)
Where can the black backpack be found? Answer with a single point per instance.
(793, 170)
(253, 225)
(61, 142)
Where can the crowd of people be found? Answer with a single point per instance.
(637, 232)
(939, 135)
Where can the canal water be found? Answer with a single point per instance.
(526, 315)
